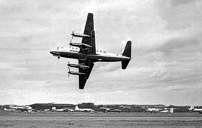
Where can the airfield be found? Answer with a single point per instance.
(101, 120)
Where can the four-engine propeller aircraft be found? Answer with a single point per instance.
(87, 54)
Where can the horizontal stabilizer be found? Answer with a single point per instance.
(125, 64)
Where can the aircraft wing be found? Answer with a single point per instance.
(89, 30)
(87, 71)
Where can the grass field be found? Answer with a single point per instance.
(99, 120)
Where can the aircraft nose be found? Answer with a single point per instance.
(52, 52)
(55, 53)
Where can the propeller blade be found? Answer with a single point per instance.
(69, 71)
(72, 34)
(70, 42)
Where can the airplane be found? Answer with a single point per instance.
(162, 110)
(22, 108)
(54, 109)
(87, 54)
(105, 110)
(196, 109)
(167, 110)
(153, 110)
(83, 109)
(9, 109)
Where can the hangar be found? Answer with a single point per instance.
(50, 106)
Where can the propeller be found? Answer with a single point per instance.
(72, 34)
(69, 71)
(70, 42)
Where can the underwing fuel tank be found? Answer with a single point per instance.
(76, 73)
(78, 66)
(80, 45)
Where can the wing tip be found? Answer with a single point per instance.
(82, 82)
(90, 13)
(82, 85)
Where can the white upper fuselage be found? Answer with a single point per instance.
(73, 52)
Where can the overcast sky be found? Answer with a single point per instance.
(166, 65)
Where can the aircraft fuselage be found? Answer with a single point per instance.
(99, 56)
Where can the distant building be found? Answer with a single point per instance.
(180, 108)
(50, 106)
(152, 106)
(8, 106)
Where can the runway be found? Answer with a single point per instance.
(11, 118)
(89, 121)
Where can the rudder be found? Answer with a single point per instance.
(127, 53)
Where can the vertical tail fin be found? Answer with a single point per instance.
(127, 53)
(127, 50)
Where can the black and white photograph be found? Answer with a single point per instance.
(101, 63)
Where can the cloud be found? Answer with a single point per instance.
(178, 44)
(181, 2)
(180, 15)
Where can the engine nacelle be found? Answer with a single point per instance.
(78, 66)
(80, 45)
(80, 35)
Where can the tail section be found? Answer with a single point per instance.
(125, 63)
(127, 53)
(127, 50)
(77, 108)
